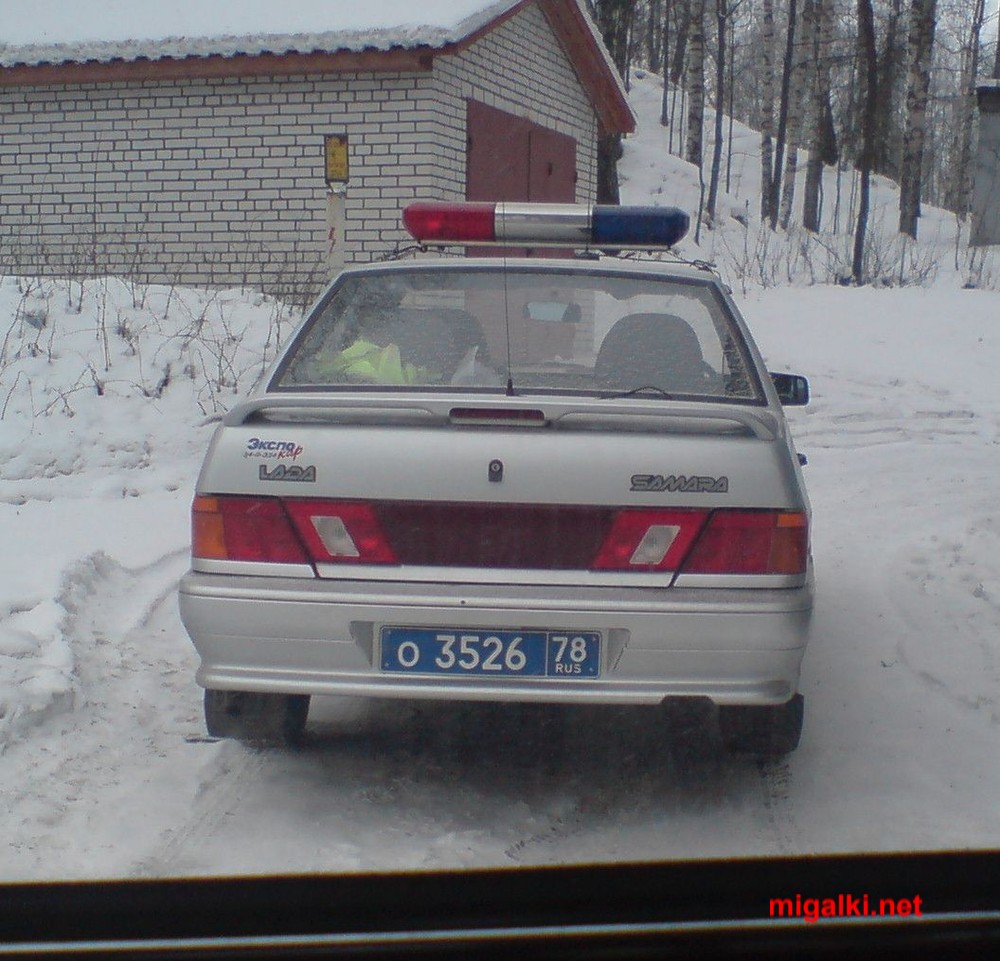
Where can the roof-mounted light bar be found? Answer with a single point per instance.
(555, 225)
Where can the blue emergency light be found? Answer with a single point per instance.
(553, 225)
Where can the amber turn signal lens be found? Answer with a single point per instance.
(208, 539)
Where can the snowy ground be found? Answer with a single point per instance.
(107, 394)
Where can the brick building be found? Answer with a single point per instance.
(206, 161)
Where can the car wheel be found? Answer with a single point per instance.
(259, 718)
(768, 731)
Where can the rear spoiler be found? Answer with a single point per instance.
(560, 412)
(326, 407)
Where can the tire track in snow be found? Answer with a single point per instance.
(222, 786)
(643, 792)
(91, 773)
(578, 818)
(862, 428)
(941, 585)
(776, 798)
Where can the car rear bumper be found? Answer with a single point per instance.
(735, 646)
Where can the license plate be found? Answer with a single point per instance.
(556, 654)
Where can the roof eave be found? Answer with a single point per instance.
(396, 60)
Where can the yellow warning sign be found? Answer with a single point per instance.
(335, 150)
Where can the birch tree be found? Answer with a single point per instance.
(683, 9)
(996, 56)
(891, 93)
(693, 149)
(654, 35)
(677, 12)
(923, 19)
(868, 55)
(800, 81)
(822, 139)
(767, 109)
(722, 14)
(665, 99)
(779, 148)
(962, 190)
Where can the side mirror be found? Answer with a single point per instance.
(793, 389)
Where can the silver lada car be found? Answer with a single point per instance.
(510, 478)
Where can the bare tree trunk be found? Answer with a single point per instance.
(677, 119)
(693, 149)
(967, 112)
(767, 109)
(732, 86)
(614, 20)
(802, 81)
(721, 15)
(996, 57)
(665, 102)
(680, 49)
(869, 61)
(654, 36)
(892, 67)
(822, 144)
(779, 150)
(923, 15)
(609, 152)
(791, 171)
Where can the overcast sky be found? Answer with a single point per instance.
(67, 21)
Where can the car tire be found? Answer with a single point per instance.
(256, 718)
(769, 731)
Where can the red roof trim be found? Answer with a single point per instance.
(591, 64)
(201, 68)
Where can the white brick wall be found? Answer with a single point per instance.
(220, 182)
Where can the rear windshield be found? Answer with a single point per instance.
(542, 331)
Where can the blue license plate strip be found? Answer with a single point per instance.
(572, 655)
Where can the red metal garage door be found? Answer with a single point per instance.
(510, 158)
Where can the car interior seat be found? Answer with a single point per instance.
(655, 350)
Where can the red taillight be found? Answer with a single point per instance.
(337, 532)
(641, 540)
(244, 529)
(703, 542)
(269, 530)
(751, 542)
(451, 221)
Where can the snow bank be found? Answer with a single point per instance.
(108, 393)
(749, 254)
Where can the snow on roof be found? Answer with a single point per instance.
(60, 31)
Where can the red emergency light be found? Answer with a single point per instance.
(557, 225)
